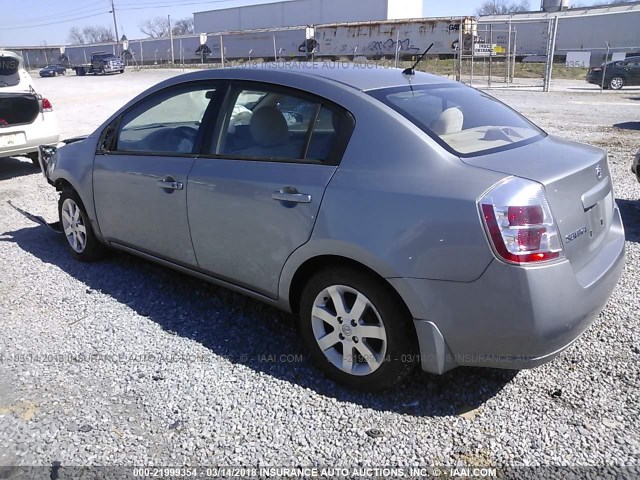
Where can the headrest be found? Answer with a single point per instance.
(449, 121)
(269, 127)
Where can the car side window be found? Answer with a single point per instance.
(168, 123)
(325, 133)
(278, 125)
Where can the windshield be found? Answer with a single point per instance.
(463, 120)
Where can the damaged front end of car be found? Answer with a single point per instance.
(47, 155)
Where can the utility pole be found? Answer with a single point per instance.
(115, 25)
(171, 39)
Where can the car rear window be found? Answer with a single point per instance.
(465, 121)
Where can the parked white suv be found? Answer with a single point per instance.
(26, 118)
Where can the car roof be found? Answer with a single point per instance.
(361, 76)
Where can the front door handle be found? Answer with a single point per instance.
(170, 184)
(286, 195)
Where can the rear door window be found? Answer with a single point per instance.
(280, 125)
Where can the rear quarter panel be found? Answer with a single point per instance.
(400, 204)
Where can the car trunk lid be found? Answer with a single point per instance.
(18, 108)
(578, 188)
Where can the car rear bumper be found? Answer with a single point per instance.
(635, 166)
(43, 131)
(511, 317)
(595, 79)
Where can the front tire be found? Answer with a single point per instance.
(616, 83)
(357, 332)
(77, 230)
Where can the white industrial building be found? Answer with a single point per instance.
(304, 12)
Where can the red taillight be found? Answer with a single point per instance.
(519, 222)
(46, 105)
(529, 215)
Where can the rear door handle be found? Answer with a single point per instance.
(170, 184)
(285, 196)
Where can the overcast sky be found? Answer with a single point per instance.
(40, 22)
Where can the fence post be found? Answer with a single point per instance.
(460, 48)
(553, 50)
(490, 53)
(397, 46)
(473, 56)
(275, 50)
(222, 51)
(515, 47)
(604, 68)
(507, 70)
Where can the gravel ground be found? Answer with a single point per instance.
(126, 363)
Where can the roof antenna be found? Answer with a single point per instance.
(412, 70)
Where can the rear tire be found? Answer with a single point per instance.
(616, 83)
(356, 330)
(77, 230)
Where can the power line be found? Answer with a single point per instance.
(54, 23)
(163, 3)
(176, 3)
(90, 8)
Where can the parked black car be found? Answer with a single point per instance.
(52, 71)
(618, 74)
(635, 166)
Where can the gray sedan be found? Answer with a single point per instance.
(408, 220)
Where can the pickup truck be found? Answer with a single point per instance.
(101, 63)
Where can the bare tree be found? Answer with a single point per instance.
(502, 7)
(89, 34)
(75, 36)
(184, 26)
(157, 27)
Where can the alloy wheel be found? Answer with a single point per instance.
(349, 330)
(73, 225)
(616, 83)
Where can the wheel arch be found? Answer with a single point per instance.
(313, 265)
(84, 189)
(63, 184)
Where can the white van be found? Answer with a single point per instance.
(26, 118)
